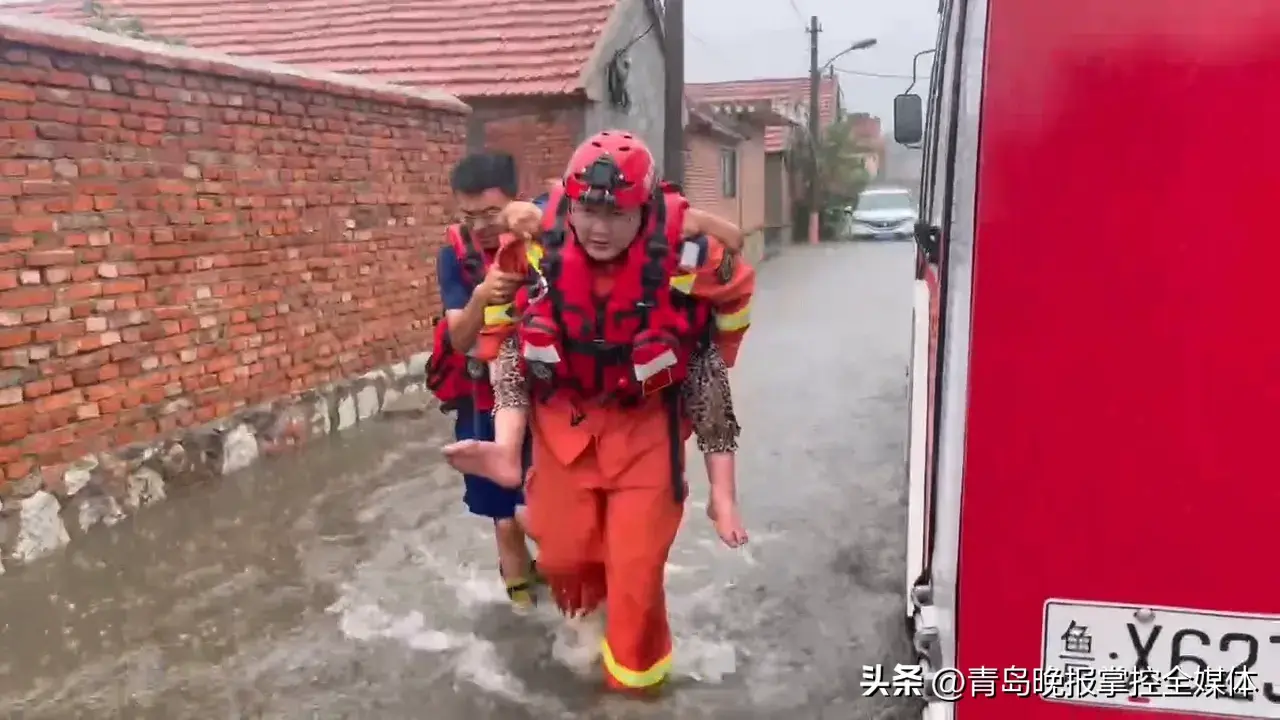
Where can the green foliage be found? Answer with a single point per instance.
(841, 174)
(101, 18)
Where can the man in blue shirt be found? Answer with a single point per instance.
(483, 184)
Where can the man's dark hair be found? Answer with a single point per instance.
(478, 172)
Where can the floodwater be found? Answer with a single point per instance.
(346, 581)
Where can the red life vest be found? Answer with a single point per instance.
(638, 339)
(452, 376)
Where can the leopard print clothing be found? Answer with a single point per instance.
(708, 403)
(510, 389)
(705, 396)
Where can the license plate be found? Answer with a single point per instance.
(1160, 658)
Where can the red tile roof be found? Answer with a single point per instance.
(470, 48)
(790, 91)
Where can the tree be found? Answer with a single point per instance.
(101, 18)
(842, 174)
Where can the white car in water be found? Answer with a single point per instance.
(883, 214)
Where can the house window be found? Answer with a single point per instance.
(729, 172)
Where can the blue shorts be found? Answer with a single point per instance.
(483, 496)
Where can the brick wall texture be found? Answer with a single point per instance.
(183, 237)
(541, 144)
(703, 186)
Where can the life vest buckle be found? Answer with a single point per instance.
(541, 371)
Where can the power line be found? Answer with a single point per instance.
(796, 10)
(891, 76)
(699, 40)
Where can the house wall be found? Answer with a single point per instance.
(777, 205)
(704, 188)
(702, 183)
(540, 138)
(751, 197)
(645, 82)
(183, 235)
(542, 133)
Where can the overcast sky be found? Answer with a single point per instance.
(749, 39)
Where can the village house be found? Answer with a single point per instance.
(867, 134)
(725, 170)
(782, 107)
(539, 80)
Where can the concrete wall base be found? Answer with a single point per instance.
(41, 513)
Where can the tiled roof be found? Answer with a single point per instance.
(470, 48)
(789, 91)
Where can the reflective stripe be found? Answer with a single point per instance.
(690, 254)
(655, 366)
(633, 678)
(499, 314)
(544, 354)
(683, 283)
(728, 322)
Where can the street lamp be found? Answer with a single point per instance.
(860, 45)
(815, 74)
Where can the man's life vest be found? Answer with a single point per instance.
(632, 343)
(452, 376)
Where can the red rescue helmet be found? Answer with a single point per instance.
(613, 168)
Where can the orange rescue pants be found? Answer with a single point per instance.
(604, 524)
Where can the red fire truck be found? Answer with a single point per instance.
(1095, 395)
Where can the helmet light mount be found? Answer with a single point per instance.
(602, 179)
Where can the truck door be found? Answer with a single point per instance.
(934, 199)
(1103, 486)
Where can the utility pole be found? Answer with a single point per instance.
(815, 77)
(831, 75)
(673, 133)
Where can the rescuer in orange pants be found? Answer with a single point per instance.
(605, 494)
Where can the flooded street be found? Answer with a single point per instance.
(346, 580)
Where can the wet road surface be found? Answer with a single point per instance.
(346, 581)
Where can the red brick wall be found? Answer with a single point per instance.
(180, 241)
(702, 175)
(541, 144)
(703, 181)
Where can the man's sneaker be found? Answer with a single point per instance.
(520, 592)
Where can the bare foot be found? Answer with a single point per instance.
(486, 459)
(722, 510)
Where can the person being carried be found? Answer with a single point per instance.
(520, 251)
(706, 393)
(606, 489)
(483, 185)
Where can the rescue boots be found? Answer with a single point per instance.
(523, 591)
